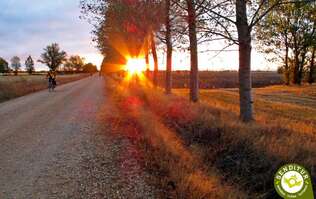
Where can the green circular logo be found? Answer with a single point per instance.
(292, 181)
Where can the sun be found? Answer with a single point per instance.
(135, 66)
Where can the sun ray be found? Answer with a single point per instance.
(136, 66)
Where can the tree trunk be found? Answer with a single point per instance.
(154, 53)
(296, 62)
(194, 79)
(147, 60)
(244, 39)
(311, 67)
(169, 49)
(296, 68)
(286, 68)
(301, 66)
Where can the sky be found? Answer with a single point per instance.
(209, 58)
(27, 26)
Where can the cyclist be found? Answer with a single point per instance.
(51, 75)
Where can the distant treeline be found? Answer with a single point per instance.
(42, 72)
(220, 79)
(213, 79)
(54, 58)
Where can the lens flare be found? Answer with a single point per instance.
(135, 66)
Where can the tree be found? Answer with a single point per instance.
(235, 22)
(75, 62)
(124, 29)
(289, 30)
(29, 65)
(273, 35)
(155, 57)
(169, 46)
(194, 81)
(303, 32)
(172, 34)
(146, 51)
(191, 15)
(311, 72)
(90, 68)
(244, 41)
(4, 66)
(15, 64)
(150, 24)
(53, 57)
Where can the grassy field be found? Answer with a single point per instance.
(291, 105)
(220, 79)
(203, 151)
(15, 86)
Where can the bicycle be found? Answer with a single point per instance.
(51, 85)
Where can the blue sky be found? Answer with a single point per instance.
(27, 26)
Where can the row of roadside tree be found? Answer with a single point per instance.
(286, 29)
(54, 58)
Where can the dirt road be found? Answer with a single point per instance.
(52, 145)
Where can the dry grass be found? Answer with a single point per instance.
(284, 130)
(16, 86)
(292, 107)
(176, 167)
(203, 151)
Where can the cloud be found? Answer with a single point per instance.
(27, 26)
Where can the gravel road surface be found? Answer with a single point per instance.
(52, 145)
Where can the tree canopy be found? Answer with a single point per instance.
(29, 65)
(289, 33)
(74, 62)
(15, 64)
(53, 56)
(90, 68)
(4, 66)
